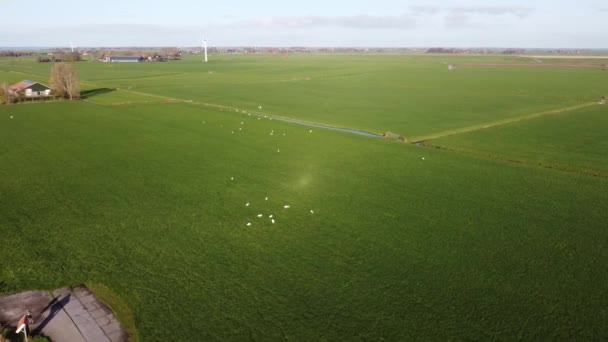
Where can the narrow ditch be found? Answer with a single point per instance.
(311, 124)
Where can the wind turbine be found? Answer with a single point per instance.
(205, 49)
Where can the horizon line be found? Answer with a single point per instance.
(306, 46)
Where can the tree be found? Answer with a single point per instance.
(65, 81)
(72, 56)
(6, 97)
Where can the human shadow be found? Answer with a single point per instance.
(94, 92)
(54, 307)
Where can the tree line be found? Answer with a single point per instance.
(15, 53)
(64, 57)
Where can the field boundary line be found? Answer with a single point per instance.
(530, 65)
(262, 115)
(26, 73)
(176, 100)
(480, 127)
(521, 161)
(167, 98)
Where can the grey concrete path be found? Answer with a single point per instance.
(72, 315)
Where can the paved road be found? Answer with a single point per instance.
(70, 315)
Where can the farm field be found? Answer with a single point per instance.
(145, 189)
(573, 141)
(413, 96)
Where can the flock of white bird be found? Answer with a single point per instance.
(272, 133)
(270, 217)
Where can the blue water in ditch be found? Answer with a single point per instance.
(310, 124)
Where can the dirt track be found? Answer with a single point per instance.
(474, 128)
(564, 57)
(532, 65)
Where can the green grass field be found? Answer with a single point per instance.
(573, 140)
(382, 240)
(409, 95)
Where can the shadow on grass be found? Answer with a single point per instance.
(85, 94)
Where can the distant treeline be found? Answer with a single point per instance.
(167, 52)
(14, 53)
(64, 57)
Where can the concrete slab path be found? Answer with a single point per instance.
(71, 315)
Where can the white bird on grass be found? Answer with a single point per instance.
(248, 224)
(247, 204)
(266, 199)
(270, 216)
(11, 116)
(231, 178)
(272, 221)
(260, 215)
(278, 150)
(286, 206)
(312, 211)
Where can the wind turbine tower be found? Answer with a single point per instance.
(205, 48)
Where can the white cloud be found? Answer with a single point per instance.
(424, 10)
(454, 17)
(477, 16)
(459, 20)
(362, 21)
(517, 11)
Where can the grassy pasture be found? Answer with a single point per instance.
(108, 96)
(139, 198)
(411, 95)
(10, 77)
(148, 201)
(572, 140)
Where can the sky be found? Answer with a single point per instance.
(314, 23)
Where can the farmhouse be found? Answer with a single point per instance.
(29, 88)
(123, 59)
